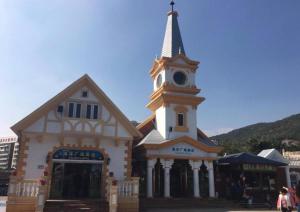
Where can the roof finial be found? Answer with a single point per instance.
(172, 5)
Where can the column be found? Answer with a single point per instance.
(150, 166)
(288, 177)
(196, 167)
(167, 165)
(210, 168)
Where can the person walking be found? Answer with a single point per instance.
(297, 196)
(284, 203)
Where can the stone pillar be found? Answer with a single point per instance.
(210, 168)
(196, 166)
(288, 176)
(150, 166)
(167, 165)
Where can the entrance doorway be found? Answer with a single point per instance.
(76, 174)
(75, 180)
(181, 179)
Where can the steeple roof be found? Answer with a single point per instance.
(172, 45)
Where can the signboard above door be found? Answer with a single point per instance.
(75, 154)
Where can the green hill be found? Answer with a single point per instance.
(260, 136)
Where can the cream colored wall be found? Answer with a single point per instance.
(54, 122)
(37, 153)
(49, 130)
(166, 117)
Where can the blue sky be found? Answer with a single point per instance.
(249, 52)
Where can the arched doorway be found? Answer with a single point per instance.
(181, 179)
(76, 174)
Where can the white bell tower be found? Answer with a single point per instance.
(174, 99)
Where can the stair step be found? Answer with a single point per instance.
(76, 205)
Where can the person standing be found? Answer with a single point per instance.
(297, 196)
(284, 203)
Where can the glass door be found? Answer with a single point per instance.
(57, 180)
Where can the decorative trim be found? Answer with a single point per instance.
(23, 155)
(145, 122)
(188, 140)
(128, 158)
(85, 80)
(170, 157)
(166, 62)
(167, 87)
(166, 99)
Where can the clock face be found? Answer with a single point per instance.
(158, 81)
(180, 78)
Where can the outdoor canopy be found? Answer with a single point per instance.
(247, 158)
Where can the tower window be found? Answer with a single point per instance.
(180, 78)
(180, 119)
(158, 81)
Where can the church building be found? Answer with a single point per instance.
(79, 140)
(174, 155)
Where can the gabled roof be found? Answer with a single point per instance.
(153, 139)
(172, 44)
(273, 154)
(248, 158)
(85, 80)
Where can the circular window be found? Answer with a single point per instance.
(180, 78)
(158, 81)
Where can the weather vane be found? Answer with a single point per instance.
(172, 5)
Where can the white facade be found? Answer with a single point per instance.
(79, 118)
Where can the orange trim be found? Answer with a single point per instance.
(146, 121)
(166, 99)
(85, 80)
(165, 62)
(166, 87)
(185, 139)
(167, 157)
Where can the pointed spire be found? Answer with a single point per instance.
(172, 41)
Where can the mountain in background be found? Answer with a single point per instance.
(256, 137)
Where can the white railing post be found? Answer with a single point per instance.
(12, 186)
(113, 196)
(41, 194)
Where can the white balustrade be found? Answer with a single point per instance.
(128, 188)
(27, 188)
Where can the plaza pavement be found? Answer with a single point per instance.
(207, 210)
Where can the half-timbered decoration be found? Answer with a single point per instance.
(77, 140)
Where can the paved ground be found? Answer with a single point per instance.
(206, 210)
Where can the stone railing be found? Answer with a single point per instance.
(123, 195)
(27, 192)
(27, 188)
(128, 188)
